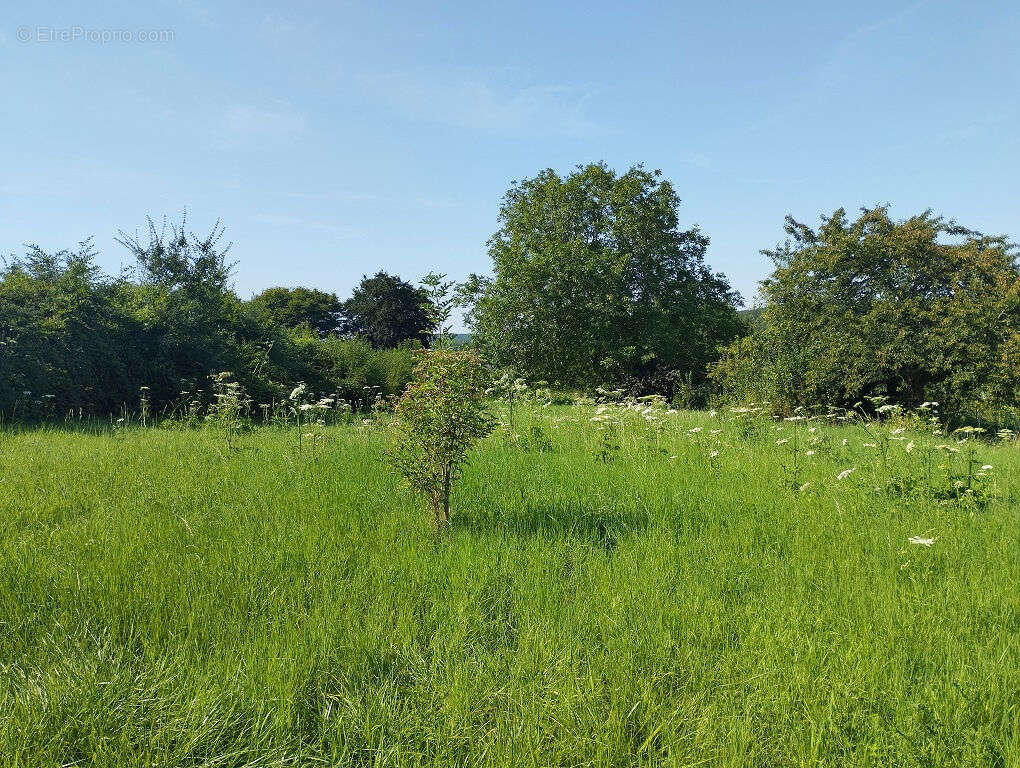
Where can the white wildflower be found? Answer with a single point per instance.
(921, 541)
(846, 473)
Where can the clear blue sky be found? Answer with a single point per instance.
(334, 139)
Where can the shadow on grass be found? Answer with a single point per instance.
(573, 520)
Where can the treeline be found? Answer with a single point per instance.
(593, 283)
(74, 340)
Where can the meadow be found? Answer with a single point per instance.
(620, 586)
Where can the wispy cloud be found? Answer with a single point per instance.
(299, 222)
(850, 45)
(248, 120)
(697, 159)
(198, 11)
(469, 102)
(277, 25)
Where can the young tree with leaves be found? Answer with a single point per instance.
(441, 302)
(438, 418)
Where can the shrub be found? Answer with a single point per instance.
(438, 418)
(914, 310)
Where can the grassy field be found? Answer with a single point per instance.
(610, 593)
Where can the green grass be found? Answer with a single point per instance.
(167, 601)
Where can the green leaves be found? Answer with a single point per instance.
(595, 281)
(915, 309)
(439, 417)
(296, 307)
(387, 311)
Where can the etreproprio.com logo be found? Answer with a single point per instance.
(77, 34)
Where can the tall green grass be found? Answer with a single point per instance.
(608, 594)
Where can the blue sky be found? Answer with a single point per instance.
(334, 139)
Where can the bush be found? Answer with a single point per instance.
(438, 418)
(75, 340)
(915, 310)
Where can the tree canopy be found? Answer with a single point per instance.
(75, 340)
(595, 281)
(919, 309)
(321, 312)
(387, 311)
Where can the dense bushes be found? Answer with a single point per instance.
(594, 284)
(75, 340)
(67, 337)
(915, 310)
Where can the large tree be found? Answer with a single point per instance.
(595, 281)
(387, 311)
(915, 309)
(296, 307)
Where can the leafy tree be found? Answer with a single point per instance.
(387, 311)
(74, 339)
(295, 307)
(440, 305)
(595, 281)
(65, 343)
(184, 299)
(919, 309)
(438, 418)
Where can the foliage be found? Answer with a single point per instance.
(66, 339)
(595, 281)
(296, 307)
(75, 340)
(183, 301)
(387, 312)
(512, 389)
(438, 418)
(916, 310)
(230, 406)
(441, 301)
